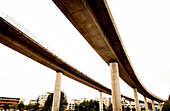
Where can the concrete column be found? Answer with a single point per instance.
(160, 107)
(116, 96)
(101, 102)
(153, 106)
(57, 92)
(146, 104)
(136, 99)
(130, 103)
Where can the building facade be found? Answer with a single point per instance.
(74, 102)
(106, 101)
(10, 101)
(33, 102)
(70, 106)
(43, 98)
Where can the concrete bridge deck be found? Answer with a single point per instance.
(93, 19)
(13, 38)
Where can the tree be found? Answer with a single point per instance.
(123, 108)
(63, 102)
(133, 109)
(166, 106)
(143, 109)
(96, 105)
(91, 104)
(83, 106)
(36, 107)
(21, 106)
(150, 106)
(48, 102)
(14, 107)
(88, 106)
(109, 108)
(128, 108)
(28, 107)
(6, 106)
(104, 107)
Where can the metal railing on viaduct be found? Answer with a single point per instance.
(94, 21)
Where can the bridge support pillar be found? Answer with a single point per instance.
(136, 99)
(130, 103)
(101, 102)
(160, 107)
(153, 106)
(116, 96)
(57, 92)
(146, 104)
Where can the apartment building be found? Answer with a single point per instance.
(70, 106)
(10, 101)
(43, 98)
(74, 102)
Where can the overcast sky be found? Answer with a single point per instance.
(144, 29)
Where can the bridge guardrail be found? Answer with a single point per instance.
(38, 40)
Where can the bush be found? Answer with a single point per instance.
(166, 106)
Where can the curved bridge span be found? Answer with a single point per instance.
(15, 39)
(93, 19)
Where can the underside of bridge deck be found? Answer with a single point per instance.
(93, 19)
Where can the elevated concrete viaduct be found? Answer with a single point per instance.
(93, 19)
(15, 39)
(12, 37)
